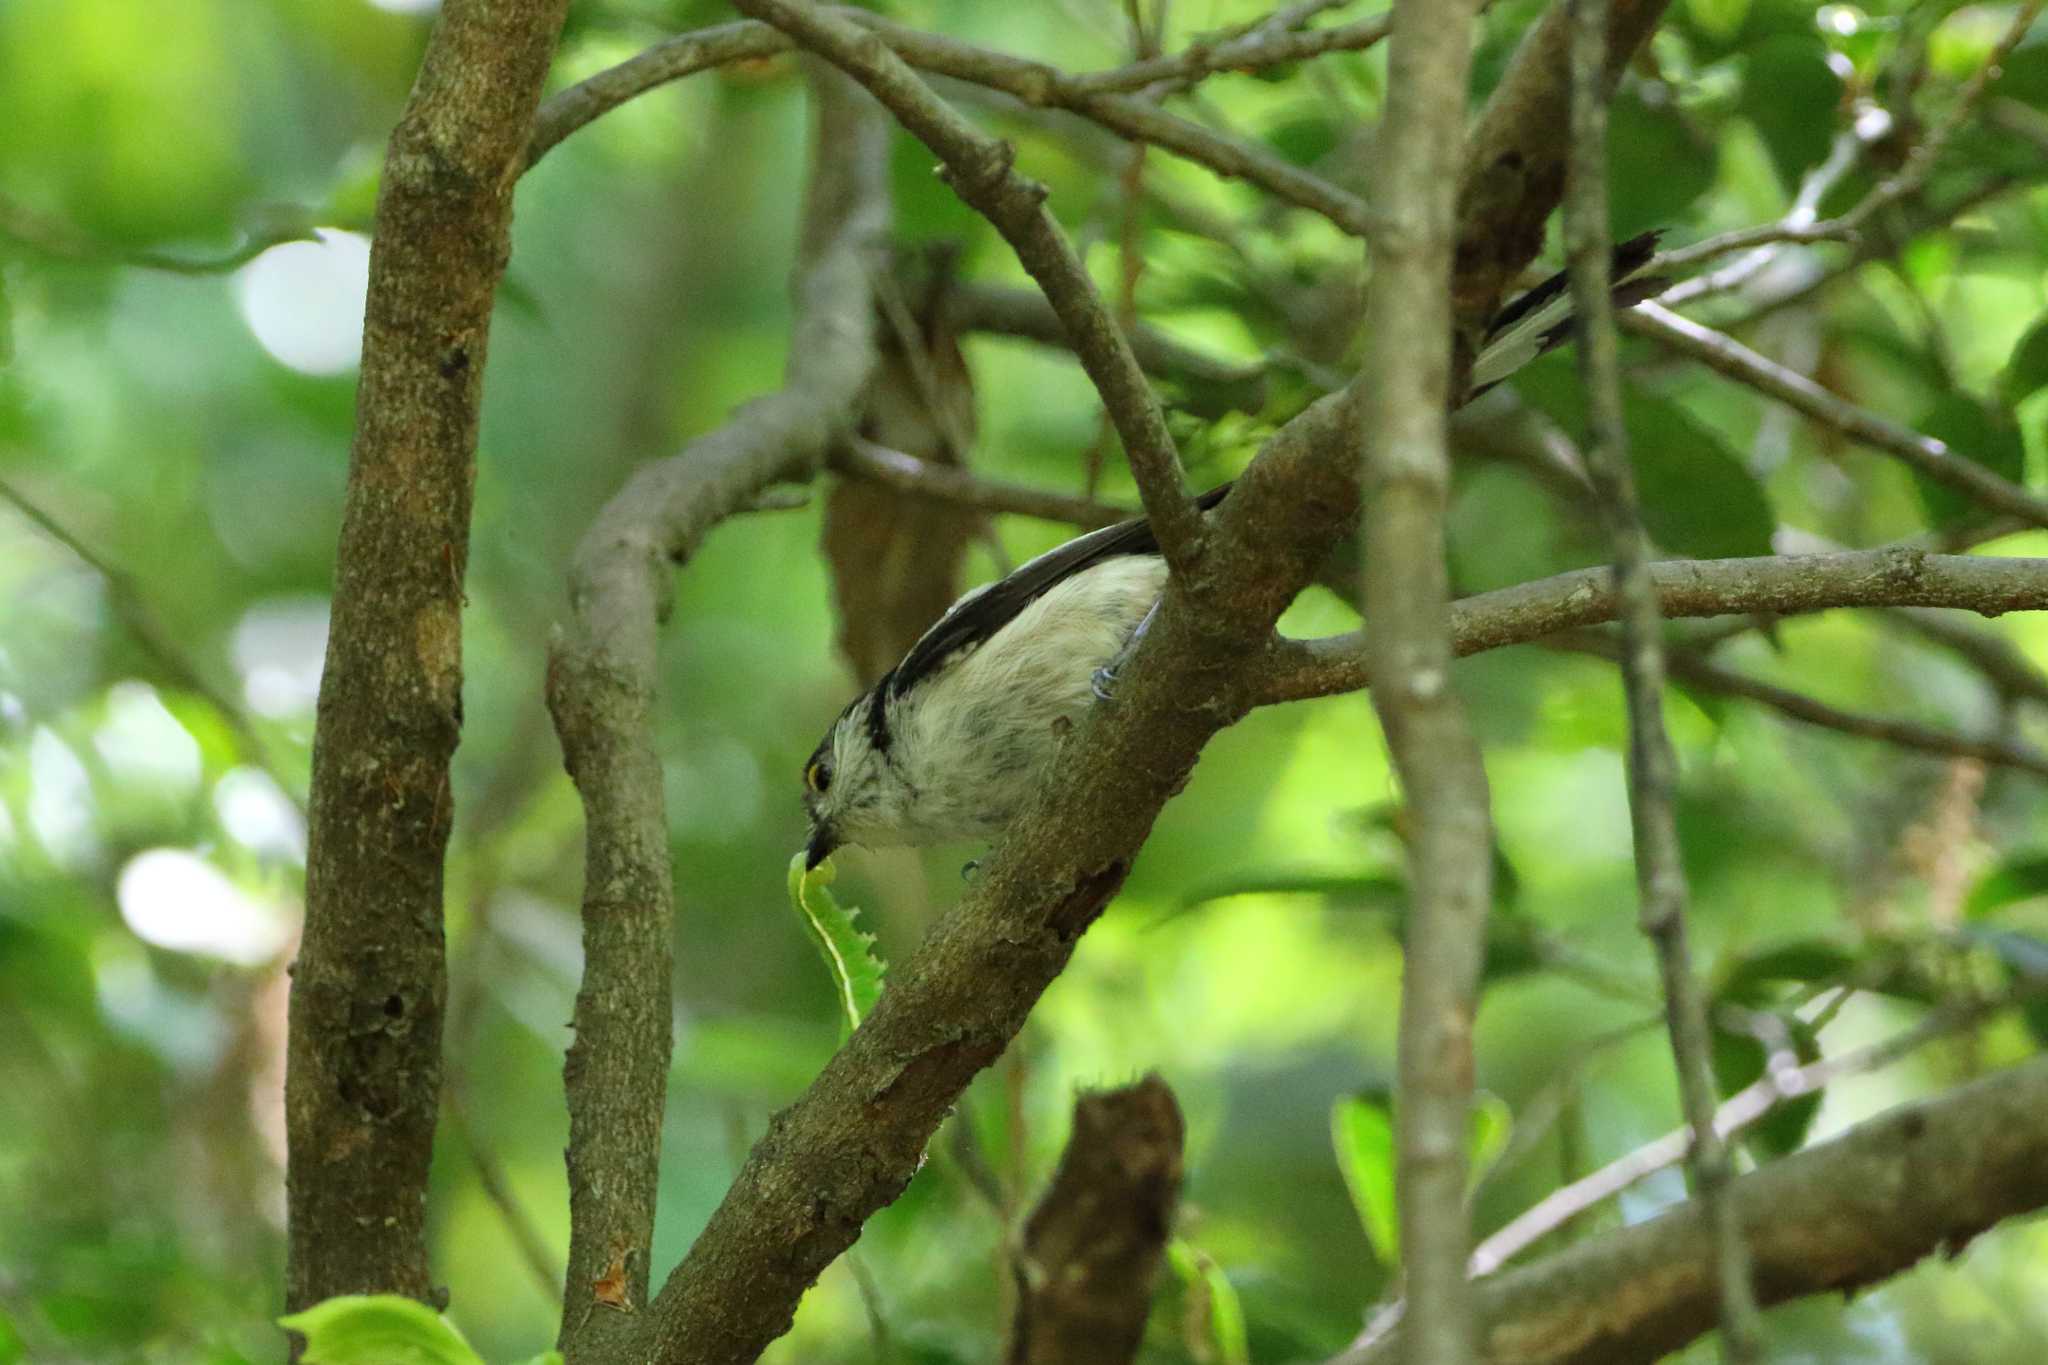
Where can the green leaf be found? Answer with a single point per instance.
(1698, 498)
(1658, 165)
(1362, 1132)
(2027, 370)
(1304, 138)
(1975, 433)
(2016, 879)
(848, 953)
(1722, 18)
(1492, 1124)
(1229, 1342)
(544, 1358)
(378, 1329)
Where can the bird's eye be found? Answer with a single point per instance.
(817, 776)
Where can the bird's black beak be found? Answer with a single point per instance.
(823, 842)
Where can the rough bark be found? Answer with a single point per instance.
(1402, 436)
(363, 1063)
(1781, 585)
(1921, 1180)
(855, 1137)
(601, 691)
(1093, 1245)
(1514, 163)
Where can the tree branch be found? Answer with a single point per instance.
(363, 1076)
(1924, 1178)
(132, 608)
(1033, 82)
(1092, 1248)
(2008, 670)
(1254, 50)
(1923, 453)
(1737, 1113)
(1406, 396)
(1905, 734)
(980, 170)
(861, 459)
(1652, 766)
(1782, 585)
(855, 1137)
(1514, 162)
(1214, 385)
(601, 685)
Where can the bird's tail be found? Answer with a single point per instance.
(1541, 319)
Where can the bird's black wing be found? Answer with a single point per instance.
(979, 615)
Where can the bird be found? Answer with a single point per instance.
(948, 744)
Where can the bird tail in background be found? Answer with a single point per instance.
(1541, 319)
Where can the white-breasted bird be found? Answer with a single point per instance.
(949, 743)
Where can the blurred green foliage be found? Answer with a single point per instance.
(151, 850)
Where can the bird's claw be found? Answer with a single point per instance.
(1103, 683)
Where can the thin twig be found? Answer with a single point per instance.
(1404, 444)
(497, 1189)
(1042, 86)
(1253, 51)
(55, 238)
(1652, 765)
(1033, 82)
(863, 459)
(156, 639)
(2003, 665)
(1802, 223)
(1739, 1112)
(1933, 458)
(1874, 242)
(1904, 734)
(980, 170)
(1913, 176)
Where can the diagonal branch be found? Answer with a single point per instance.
(1033, 82)
(1928, 456)
(363, 1064)
(1736, 1114)
(1921, 1180)
(980, 170)
(601, 684)
(1254, 50)
(1904, 734)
